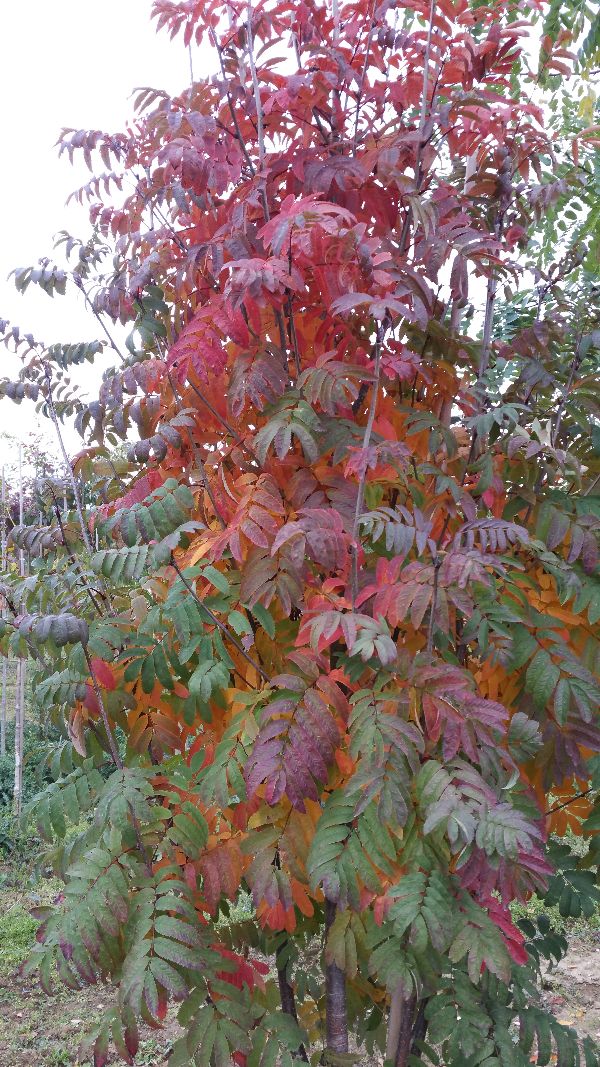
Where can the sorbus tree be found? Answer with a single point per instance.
(335, 623)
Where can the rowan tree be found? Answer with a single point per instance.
(335, 623)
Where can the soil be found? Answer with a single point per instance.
(572, 989)
(41, 1031)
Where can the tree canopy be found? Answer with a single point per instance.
(333, 619)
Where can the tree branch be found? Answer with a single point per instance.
(571, 800)
(365, 444)
(67, 462)
(213, 618)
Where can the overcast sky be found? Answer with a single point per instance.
(70, 64)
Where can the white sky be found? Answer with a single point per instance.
(74, 64)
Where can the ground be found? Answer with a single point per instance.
(42, 1031)
(572, 990)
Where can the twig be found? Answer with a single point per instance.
(72, 555)
(422, 118)
(365, 444)
(116, 757)
(227, 633)
(286, 993)
(256, 87)
(238, 132)
(198, 458)
(68, 468)
(436, 570)
(488, 324)
(363, 76)
(565, 804)
(335, 11)
(575, 364)
(118, 762)
(222, 420)
(335, 997)
(113, 344)
(406, 1027)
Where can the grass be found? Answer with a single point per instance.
(17, 931)
(580, 927)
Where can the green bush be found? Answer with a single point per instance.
(36, 742)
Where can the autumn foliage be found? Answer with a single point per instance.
(335, 623)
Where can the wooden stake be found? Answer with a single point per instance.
(20, 690)
(4, 678)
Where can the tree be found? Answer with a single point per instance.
(338, 637)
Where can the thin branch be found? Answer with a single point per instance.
(198, 458)
(363, 76)
(406, 1028)
(365, 444)
(221, 419)
(72, 555)
(335, 11)
(393, 1023)
(488, 325)
(113, 344)
(238, 132)
(224, 630)
(434, 598)
(571, 800)
(256, 87)
(425, 91)
(116, 757)
(593, 485)
(575, 364)
(422, 120)
(67, 462)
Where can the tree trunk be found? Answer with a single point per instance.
(286, 992)
(419, 1029)
(406, 1011)
(335, 997)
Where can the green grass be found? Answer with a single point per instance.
(17, 932)
(570, 927)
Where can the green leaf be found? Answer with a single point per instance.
(541, 678)
(265, 619)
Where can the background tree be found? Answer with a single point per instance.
(339, 634)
